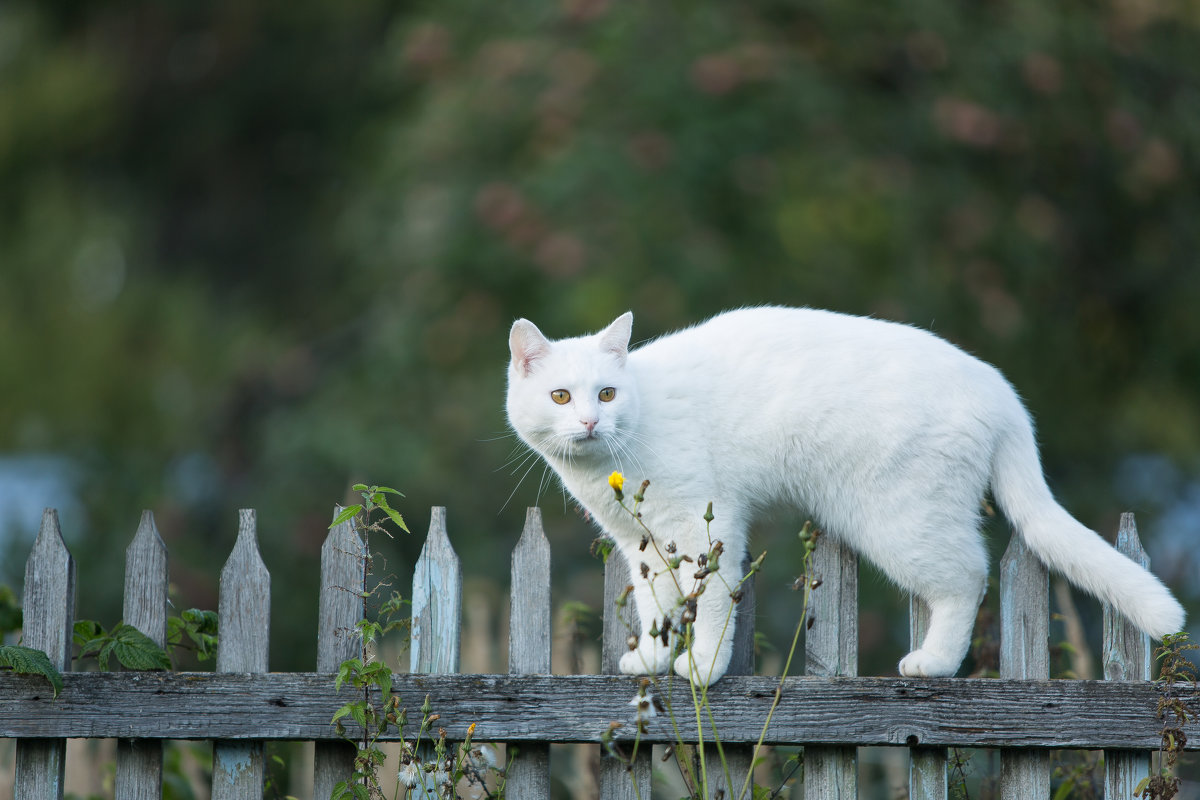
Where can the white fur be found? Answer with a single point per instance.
(887, 435)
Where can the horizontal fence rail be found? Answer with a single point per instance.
(957, 712)
(828, 710)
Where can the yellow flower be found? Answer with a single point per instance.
(616, 481)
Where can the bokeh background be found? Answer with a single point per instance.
(254, 252)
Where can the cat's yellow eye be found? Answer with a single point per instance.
(607, 394)
(561, 396)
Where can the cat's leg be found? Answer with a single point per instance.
(708, 657)
(951, 621)
(939, 557)
(708, 601)
(953, 590)
(656, 598)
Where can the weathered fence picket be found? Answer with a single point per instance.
(1024, 636)
(436, 622)
(244, 620)
(529, 641)
(927, 779)
(1126, 657)
(49, 602)
(139, 761)
(242, 705)
(617, 780)
(341, 607)
(831, 651)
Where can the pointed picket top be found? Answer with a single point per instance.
(1125, 653)
(1126, 650)
(341, 607)
(244, 623)
(49, 603)
(146, 581)
(49, 595)
(529, 619)
(1024, 613)
(245, 603)
(436, 602)
(1024, 653)
(341, 602)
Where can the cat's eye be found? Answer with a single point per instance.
(561, 396)
(607, 394)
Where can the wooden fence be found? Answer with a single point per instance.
(828, 710)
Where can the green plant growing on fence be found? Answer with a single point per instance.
(194, 629)
(429, 765)
(678, 628)
(1174, 671)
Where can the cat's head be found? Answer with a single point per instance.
(570, 398)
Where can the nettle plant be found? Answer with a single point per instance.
(691, 577)
(430, 767)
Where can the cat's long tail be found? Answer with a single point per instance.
(1067, 546)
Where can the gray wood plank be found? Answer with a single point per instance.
(529, 642)
(578, 708)
(927, 779)
(831, 650)
(616, 780)
(48, 600)
(436, 602)
(1024, 653)
(139, 761)
(340, 609)
(436, 619)
(728, 767)
(244, 612)
(1126, 656)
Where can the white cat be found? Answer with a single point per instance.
(885, 434)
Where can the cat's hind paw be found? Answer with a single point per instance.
(927, 664)
(650, 657)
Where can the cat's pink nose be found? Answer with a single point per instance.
(590, 424)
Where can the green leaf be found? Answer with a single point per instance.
(87, 631)
(359, 487)
(135, 650)
(396, 518)
(389, 491)
(341, 712)
(27, 661)
(347, 513)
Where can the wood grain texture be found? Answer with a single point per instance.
(936, 712)
(436, 620)
(436, 602)
(1024, 653)
(831, 650)
(927, 779)
(1126, 657)
(529, 640)
(340, 608)
(244, 612)
(727, 768)
(617, 780)
(48, 600)
(139, 761)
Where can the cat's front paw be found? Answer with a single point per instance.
(927, 664)
(650, 657)
(701, 666)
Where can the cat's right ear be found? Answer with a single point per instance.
(615, 338)
(528, 345)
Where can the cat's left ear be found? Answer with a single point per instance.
(527, 345)
(615, 338)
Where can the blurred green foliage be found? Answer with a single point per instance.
(252, 253)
